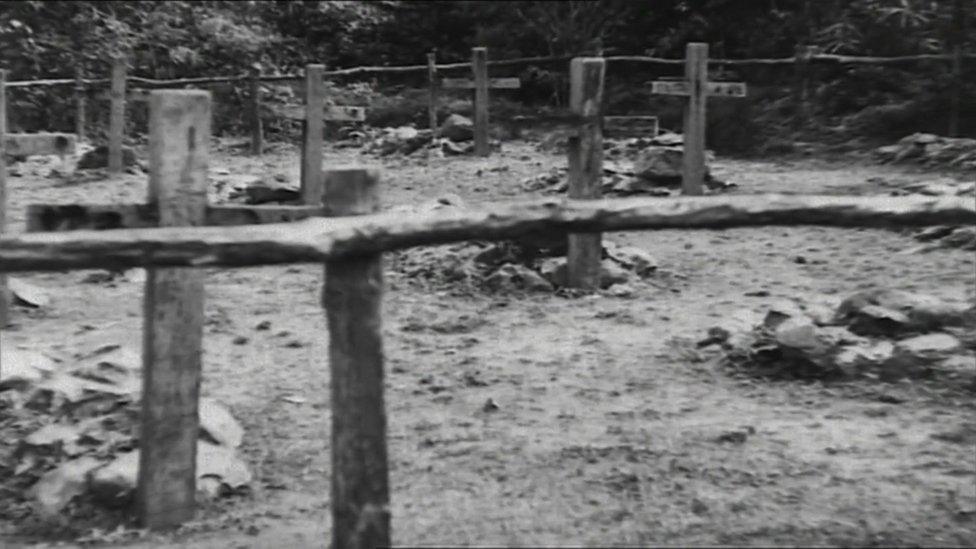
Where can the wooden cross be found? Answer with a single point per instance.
(179, 140)
(22, 144)
(696, 88)
(480, 84)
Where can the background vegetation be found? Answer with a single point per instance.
(46, 39)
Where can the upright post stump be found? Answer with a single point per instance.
(479, 66)
(179, 141)
(585, 167)
(116, 125)
(312, 142)
(352, 299)
(254, 112)
(4, 294)
(696, 74)
(432, 89)
(80, 105)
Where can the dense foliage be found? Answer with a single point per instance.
(44, 39)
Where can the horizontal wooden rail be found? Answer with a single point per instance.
(320, 239)
(358, 71)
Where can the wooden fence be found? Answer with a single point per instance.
(802, 61)
(348, 235)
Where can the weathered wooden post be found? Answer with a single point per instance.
(586, 77)
(116, 124)
(697, 88)
(254, 112)
(432, 96)
(80, 104)
(4, 294)
(801, 83)
(696, 74)
(352, 299)
(312, 132)
(479, 66)
(179, 142)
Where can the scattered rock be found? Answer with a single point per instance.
(457, 128)
(517, 277)
(22, 369)
(55, 490)
(890, 308)
(26, 294)
(113, 484)
(637, 260)
(931, 150)
(98, 158)
(217, 423)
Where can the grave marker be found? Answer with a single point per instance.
(480, 84)
(311, 184)
(696, 88)
(173, 330)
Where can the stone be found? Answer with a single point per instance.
(26, 294)
(611, 273)
(631, 257)
(925, 350)
(621, 290)
(934, 233)
(98, 158)
(55, 490)
(52, 436)
(113, 484)
(659, 164)
(511, 276)
(222, 463)
(854, 359)
(217, 423)
(20, 369)
(553, 269)
(668, 139)
(924, 313)
(963, 238)
(457, 128)
(449, 148)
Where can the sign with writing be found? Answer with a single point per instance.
(335, 113)
(726, 89)
(27, 144)
(466, 84)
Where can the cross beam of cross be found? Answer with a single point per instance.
(179, 143)
(696, 88)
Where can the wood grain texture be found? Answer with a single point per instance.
(479, 69)
(352, 299)
(4, 293)
(254, 113)
(696, 76)
(116, 124)
(179, 142)
(318, 239)
(586, 77)
(432, 94)
(73, 217)
(80, 104)
(312, 132)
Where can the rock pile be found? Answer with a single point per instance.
(72, 431)
(931, 150)
(534, 263)
(880, 333)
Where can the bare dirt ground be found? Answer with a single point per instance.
(610, 426)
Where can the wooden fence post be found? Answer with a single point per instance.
(432, 86)
(4, 294)
(312, 132)
(179, 142)
(696, 73)
(116, 125)
(586, 77)
(479, 66)
(801, 83)
(352, 299)
(80, 105)
(254, 112)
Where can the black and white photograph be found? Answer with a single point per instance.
(550, 274)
